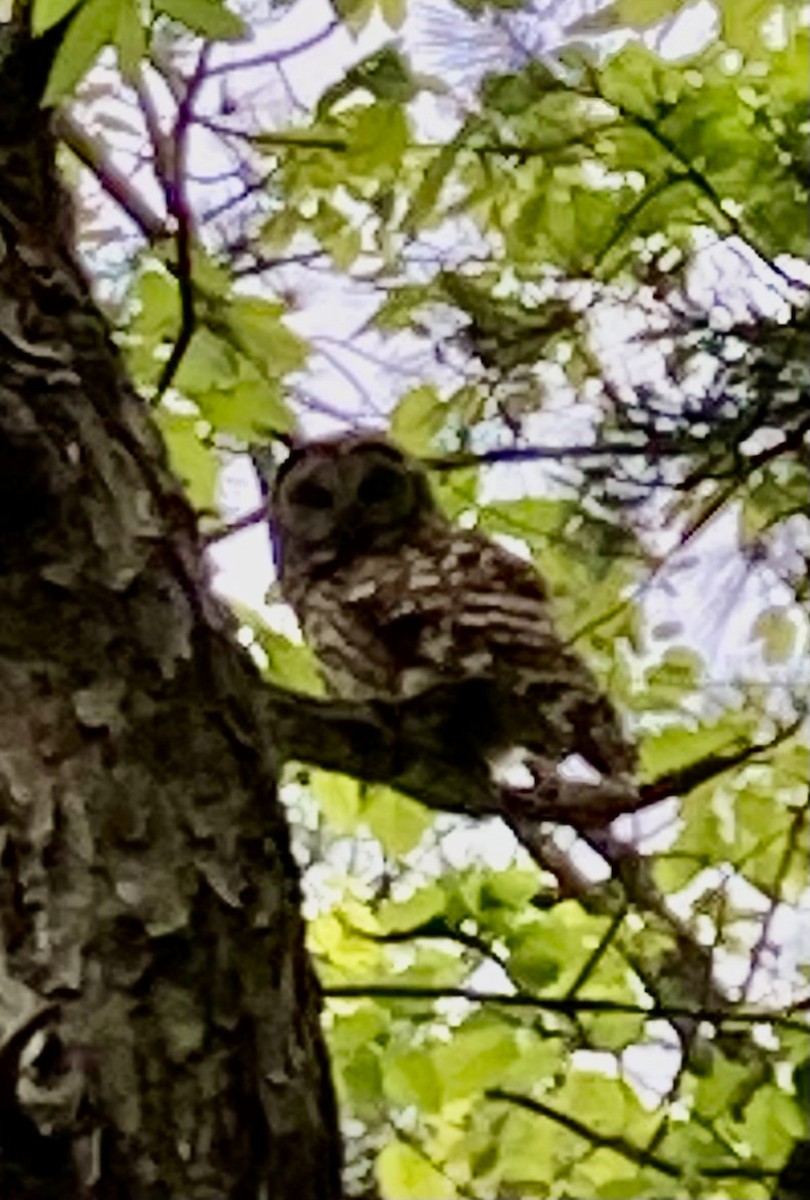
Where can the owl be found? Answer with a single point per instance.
(394, 599)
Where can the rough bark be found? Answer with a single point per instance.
(158, 1014)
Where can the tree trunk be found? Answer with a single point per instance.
(158, 1013)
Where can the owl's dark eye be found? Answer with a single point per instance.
(308, 494)
(380, 484)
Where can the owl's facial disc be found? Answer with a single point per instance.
(310, 494)
(383, 484)
(334, 500)
(309, 506)
(382, 498)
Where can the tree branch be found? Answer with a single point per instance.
(624, 1147)
(418, 745)
(113, 181)
(569, 1006)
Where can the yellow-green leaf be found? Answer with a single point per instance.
(417, 418)
(46, 13)
(92, 28)
(396, 820)
(407, 1175)
(210, 18)
(394, 12)
(191, 459)
(411, 1078)
(477, 1058)
(130, 38)
(258, 328)
(777, 631)
(339, 798)
(355, 14)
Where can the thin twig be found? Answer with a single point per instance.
(276, 56)
(627, 1149)
(113, 181)
(180, 209)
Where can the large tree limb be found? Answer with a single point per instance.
(419, 746)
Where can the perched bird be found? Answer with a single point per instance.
(395, 599)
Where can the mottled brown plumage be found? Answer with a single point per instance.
(394, 599)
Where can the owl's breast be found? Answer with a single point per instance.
(453, 606)
(376, 626)
(449, 606)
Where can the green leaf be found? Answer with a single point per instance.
(534, 962)
(679, 745)
(352, 1030)
(679, 671)
(528, 1149)
(398, 821)
(355, 14)
(478, 1057)
(386, 74)
(743, 20)
(156, 306)
(337, 233)
(393, 12)
(532, 519)
(411, 1078)
(247, 410)
(636, 80)
(427, 902)
(551, 947)
(513, 888)
(234, 366)
(417, 419)
(538, 1060)
(290, 663)
(776, 494)
(401, 304)
(193, 461)
(279, 230)
(377, 138)
(46, 13)
(608, 1106)
(92, 28)
(623, 14)
(456, 492)
(515, 94)
(722, 1086)
(644, 13)
(361, 1078)
(157, 302)
(777, 630)
(407, 1175)
(773, 1121)
(338, 797)
(209, 364)
(130, 39)
(210, 18)
(260, 333)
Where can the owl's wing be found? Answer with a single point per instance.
(496, 614)
(495, 608)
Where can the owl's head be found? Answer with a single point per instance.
(348, 495)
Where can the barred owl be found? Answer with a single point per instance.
(394, 598)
